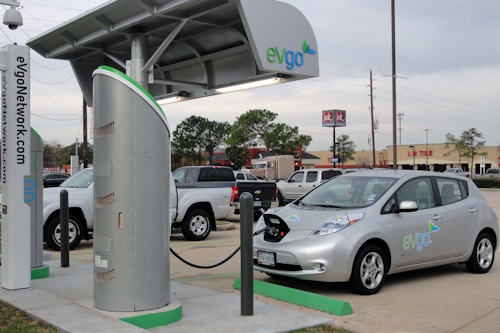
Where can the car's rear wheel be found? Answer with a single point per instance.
(53, 232)
(482, 256)
(369, 270)
(196, 225)
(280, 199)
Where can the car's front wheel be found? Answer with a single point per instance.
(53, 232)
(196, 225)
(369, 270)
(482, 256)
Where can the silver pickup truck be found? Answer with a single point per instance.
(193, 209)
(199, 196)
(303, 181)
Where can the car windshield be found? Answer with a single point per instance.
(82, 179)
(449, 170)
(348, 192)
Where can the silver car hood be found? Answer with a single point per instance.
(310, 218)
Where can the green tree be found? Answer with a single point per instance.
(474, 145)
(90, 152)
(55, 155)
(284, 139)
(346, 148)
(257, 127)
(250, 128)
(456, 144)
(195, 135)
(238, 155)
(213, 136)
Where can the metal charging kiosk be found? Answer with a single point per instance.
(34, 198)
(131, 196)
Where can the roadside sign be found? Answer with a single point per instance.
(335, 160)
(333, 118)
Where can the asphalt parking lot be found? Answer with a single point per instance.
(442, 299)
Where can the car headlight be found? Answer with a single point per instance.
(334, 224)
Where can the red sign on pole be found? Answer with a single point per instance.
(333, 118)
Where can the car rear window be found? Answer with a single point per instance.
(330, 173)
(216, 174)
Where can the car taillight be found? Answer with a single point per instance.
(234, 195)
(276, 194)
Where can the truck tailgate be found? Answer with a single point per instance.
(261, 191)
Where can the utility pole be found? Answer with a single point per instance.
(373, 125)
(394, 139)
(400, 117)
(426, 150)
(84, 148)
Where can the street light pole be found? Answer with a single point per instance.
(426, 150)
(394, 138)
(413, 153)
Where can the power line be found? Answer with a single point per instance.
(453, 91)
(355, 76)
(435, 96)
(39, 64)
(330, 91)
(52, 83)
(441, 114)
(346, 84)
(443, 106)
(73, 119)
(50, 6)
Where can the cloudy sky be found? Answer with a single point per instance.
(447, 58)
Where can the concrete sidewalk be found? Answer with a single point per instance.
(65, 300)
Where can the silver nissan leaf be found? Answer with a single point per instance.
(360, 227)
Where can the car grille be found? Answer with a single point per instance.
(280, 267)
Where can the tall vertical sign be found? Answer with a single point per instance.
(333, 118)
(18, 188)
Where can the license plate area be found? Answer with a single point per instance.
(266, 258)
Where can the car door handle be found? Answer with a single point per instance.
(300, 185)
(472, 210)
(437, 217)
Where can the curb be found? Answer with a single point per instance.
(224, 225)
(299, 297)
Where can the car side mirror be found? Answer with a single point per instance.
(407, 206)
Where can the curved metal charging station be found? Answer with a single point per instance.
(175, 50)
(131, 196)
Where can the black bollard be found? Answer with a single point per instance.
(64, 223)
(246, 234)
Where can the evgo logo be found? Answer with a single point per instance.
(289, 57)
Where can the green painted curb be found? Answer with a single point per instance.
(155, 319)
(304, 298)
(40, 272)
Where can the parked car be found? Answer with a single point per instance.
(458, 171)
(80, 189)
(199, 196)
(264, 193)
(53, 179)
(303, 181)
(493, 173)
(242, 176)
(193, 209)
(363, 226)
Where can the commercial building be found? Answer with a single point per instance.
(434, 156)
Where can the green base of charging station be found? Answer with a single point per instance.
(152, 320)
(40, 272)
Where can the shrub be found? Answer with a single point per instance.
(487, 182)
